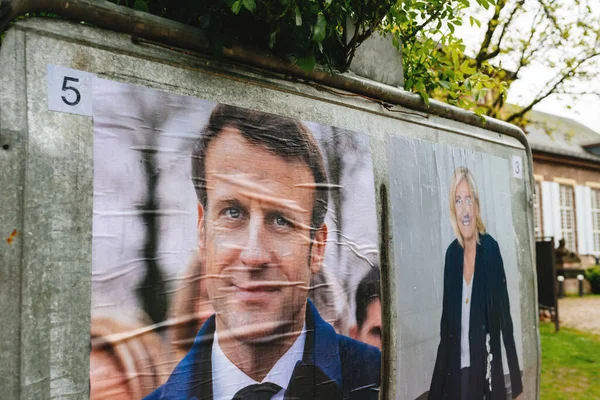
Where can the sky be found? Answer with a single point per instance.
(585, 110)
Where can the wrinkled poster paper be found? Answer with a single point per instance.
(234, 253)
(460, 327)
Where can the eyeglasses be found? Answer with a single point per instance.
(459, 202)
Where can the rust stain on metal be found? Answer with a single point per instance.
(81, 60)
(12, 236)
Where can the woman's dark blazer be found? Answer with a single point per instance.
(490, 313)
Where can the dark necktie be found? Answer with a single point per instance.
(261, 391)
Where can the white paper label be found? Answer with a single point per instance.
(69, 90)
(517, 167)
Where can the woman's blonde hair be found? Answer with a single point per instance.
(459, 174)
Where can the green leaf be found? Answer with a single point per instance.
(424, 96)
(298, 16)
(141, 5)
(445, 85)
(319, 29)
(307, 63)
(236, 7)
(272, 39)
(250, 5)
(474, 21)
(455, 59)
(484, 3)
(480, 110)
(464, 68)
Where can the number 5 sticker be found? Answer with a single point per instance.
(69, 90)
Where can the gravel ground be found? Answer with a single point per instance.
(582, 313)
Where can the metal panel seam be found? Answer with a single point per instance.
(23, 178)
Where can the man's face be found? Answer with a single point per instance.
(370, 332)
(255, 237)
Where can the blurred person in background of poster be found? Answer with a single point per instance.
(127, 360)
(262, 189)
(368, 327)
(476, 311)
(191, 307)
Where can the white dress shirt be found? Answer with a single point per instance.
(465, 347)
(228, 379)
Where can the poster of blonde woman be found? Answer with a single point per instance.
(234, 253)
(462, 338)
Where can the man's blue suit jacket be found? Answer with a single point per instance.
(333, 367)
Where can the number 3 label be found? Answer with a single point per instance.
(69, 90)
(517, 167)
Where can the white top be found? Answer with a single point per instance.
(228, 379)
(465, 351)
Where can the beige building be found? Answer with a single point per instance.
(566, 164)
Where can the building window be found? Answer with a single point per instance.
(567, 217)
(596, 219)
(537, 210)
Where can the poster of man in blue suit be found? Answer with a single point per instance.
(262, 188)
(262, 274)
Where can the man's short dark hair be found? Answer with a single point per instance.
(368, 290)
(284, 137)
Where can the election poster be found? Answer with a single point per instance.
(234, 253)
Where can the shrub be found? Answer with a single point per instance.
(307, 31)
(593, 276)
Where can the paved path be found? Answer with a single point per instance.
(581, 313)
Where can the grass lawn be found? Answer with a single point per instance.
(570, 364)
(577, 295)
